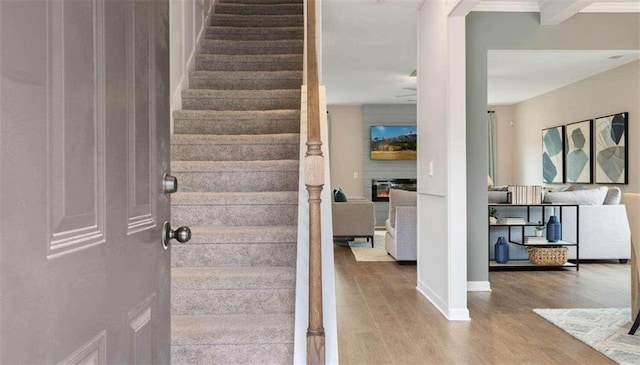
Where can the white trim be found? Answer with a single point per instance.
(459, 314)
(452, 314)
(532, 6)
(556, 12)
(461, 7)
(456, 202)
(433, 297)
(478, 286)
(516, 6)
(602, 7)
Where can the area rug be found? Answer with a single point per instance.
(363, 252)
(604, 329)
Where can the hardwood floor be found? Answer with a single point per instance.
(382, 319)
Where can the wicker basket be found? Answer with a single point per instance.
(548, 255)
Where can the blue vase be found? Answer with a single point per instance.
(554, 229)
(502, 251)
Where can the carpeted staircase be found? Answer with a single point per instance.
(235, 153)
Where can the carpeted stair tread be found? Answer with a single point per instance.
(224, 176)
(206, 99)
(223, 166)
(245, 354)
(259, 9)
(257, 20)
(255, 47)
(232, 329)
(207, 278)
(237, 115)
(247, 34)
(232, 301)
(246, 80)
(234, 254)
(260, 1)
(240, 139)
(235, 198)
(234, 208)
(297, 75)
(236, 122)
(243, 234)
(223, 62)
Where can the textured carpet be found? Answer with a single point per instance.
(363, 252)
(604, 329)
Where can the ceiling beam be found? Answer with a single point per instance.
(554, 12)
(461, 7)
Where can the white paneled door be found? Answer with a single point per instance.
(84, 132)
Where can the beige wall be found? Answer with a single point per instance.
(611, 92)
(345, 148)
(505, 116)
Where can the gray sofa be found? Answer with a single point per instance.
(401, 237)
(603, 226)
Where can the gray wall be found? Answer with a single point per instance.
(487, 31)
(379, 114)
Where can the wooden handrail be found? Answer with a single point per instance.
(314, 181)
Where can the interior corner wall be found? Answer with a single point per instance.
(384, 114)
(441, 222)
(610, 92)
(346, 148)
(520, 31)
(506, 147)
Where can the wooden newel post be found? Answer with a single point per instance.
(314, 181)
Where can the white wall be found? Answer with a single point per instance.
(505, 116)
(346, 148)
(442, 264)
(610, 92)
(186, 23)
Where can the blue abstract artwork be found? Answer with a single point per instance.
(553, 155)
(610, 150)
(577, 139)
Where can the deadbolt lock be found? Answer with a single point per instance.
(169, 184)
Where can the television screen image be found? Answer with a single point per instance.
(397, 142)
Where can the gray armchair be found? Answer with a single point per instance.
(401, 238)
(354, 218)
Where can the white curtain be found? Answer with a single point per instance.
(492, 128)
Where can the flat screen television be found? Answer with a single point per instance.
(394, 142)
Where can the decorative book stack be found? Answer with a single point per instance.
(525, 194)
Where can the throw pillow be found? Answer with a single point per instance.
(580, 197)
(339, 196)
(614, 195)
(400, 197)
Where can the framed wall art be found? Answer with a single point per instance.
(611, 153)
(577, 139)
(553, 155)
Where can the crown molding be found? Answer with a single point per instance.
(525, 6)
(510, 6)
(613, 7)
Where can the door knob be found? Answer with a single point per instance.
(182, 234)
(169, 184)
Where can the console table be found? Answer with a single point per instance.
(521, 233)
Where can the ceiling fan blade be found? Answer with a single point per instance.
(409, 88)
(402, 96)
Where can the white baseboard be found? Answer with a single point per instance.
(478, 286)
(452, 314)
